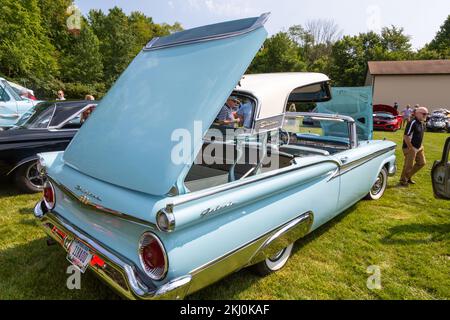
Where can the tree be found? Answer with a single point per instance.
(54, 21)
(351, 54)
(315, 42)
(393, 39)
(122, 37)
(441, 42)
(350, 57)
(323, 31)
(26, 52)
(279, 54)
(117, 42)
(83, 61)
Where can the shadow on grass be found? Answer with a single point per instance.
(35, 271)
(7, 188)
(417, 233)
(26, 211)
(322, 229)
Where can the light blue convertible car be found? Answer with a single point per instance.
(160, 200)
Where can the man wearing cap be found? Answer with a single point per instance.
(227, 113)
(412, 146)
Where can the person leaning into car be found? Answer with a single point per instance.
(227, 115)
(412, 146)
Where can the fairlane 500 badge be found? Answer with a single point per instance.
(86, 195)
(213, 210)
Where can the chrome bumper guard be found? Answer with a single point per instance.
(121, 275)
(392, 170)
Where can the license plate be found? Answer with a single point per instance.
(79, 255)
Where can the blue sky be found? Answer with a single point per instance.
(421, 19)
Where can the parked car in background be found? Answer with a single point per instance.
(140, 198)
(438, 121)
(22, 91)
(12, 105)
(386, 118)
(440, 174)
(49, 126)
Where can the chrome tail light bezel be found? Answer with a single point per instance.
(157, 274)
(49, 205)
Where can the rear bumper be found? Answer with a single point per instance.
(117, 272)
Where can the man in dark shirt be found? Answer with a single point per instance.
(412, 146)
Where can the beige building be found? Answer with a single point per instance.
(423, 82)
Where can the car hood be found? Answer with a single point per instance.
(385, 108)
(150, 125)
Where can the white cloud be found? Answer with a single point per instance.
(171, 5)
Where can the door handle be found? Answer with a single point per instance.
(344, 159)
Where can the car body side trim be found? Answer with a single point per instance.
(358, 162)
(239, 183)
(252, 252)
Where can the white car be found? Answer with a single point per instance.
(12, 105)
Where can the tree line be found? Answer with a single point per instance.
(38, 50)
(318, 46)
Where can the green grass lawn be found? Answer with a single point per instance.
(406, 234)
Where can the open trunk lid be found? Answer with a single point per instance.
(175, 84)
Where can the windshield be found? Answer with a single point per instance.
(317, 132)
(11, 91)
(37, 117)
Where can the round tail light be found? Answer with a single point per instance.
(153, 256)
(49, 195)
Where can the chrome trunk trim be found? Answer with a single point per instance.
(153, 44)
(83, 201)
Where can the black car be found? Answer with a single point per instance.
(49, 126)
(440, 174)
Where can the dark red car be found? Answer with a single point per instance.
(386, 118)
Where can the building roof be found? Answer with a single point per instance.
(273, 89)
(409, 67)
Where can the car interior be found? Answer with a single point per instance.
(223, 160)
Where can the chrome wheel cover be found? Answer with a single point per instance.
(34, 176)
(378, 185)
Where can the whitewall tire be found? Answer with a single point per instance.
(274, 263)
(379, 187)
